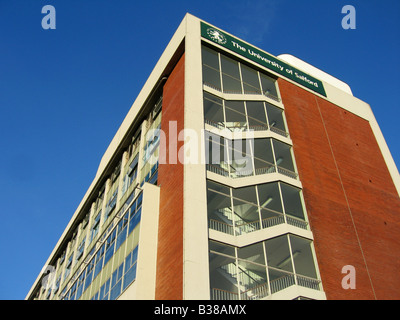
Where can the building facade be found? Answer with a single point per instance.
(236, 175)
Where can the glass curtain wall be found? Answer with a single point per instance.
(247, 209)
(247, 157)
(243, 115)
(222, 73)
(258, 270)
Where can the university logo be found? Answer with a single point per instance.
(216, 36)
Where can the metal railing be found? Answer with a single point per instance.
(308, 282)
(279, 131)
(262, 290)
(282, 282)
(258, 92)
(242, 227)
(245, 173)
(273, 221)
(220, 226)
(244, 127)
(220, 294)
(255, 293)
(297, 222)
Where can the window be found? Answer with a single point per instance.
(230, 76)
(211, 73)
(256, 115)
(261, 269)
(283, 158)
(110, 206)
(247, 209)
(237, 115)
(81, 248)
(57, 283)
(134, 216)
(110, 245)
(72, 291)
(130, 267)
(214, 111)
(154, 137)
(89, 273)
(121, 231)
(95, 227)
(80, 285)
(99, 260)
(68, 266)
(131, 174)
(268, 86)
(152, 144)
(116, 282)
(105, 291)
(245, 157)
(251, 82)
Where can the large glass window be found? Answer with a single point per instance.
(237, 211)
(211, 69)
(235, 115)
(114, 238)
(251, 83)
(245, 157)
(230, 76)
(258, 270)
(256, 115)
(243, 115)
(213, 111)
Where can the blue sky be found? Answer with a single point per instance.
(64, 92)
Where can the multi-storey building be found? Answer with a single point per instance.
(235, 175)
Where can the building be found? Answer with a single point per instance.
(235, 175)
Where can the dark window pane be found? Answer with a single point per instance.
(283, 155)
(252, 253)
(218, 187)
(221, 248)
(268, 86)
(230, 75)
(256, 115)
(247, 194)
(230, 67)
(275, 117)
(241, 163)
(278, 253)
(211, 77)
(292, 201)
(263, 156)
(303, 257)
(210, 58)
(213, 110)
(231, 85)
(251, 83)
(269, 197)
(235, 115)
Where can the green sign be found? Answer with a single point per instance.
(261, 58)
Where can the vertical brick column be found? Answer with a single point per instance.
(169, 275)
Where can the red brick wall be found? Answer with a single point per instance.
(169, 277)
(352, 204)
